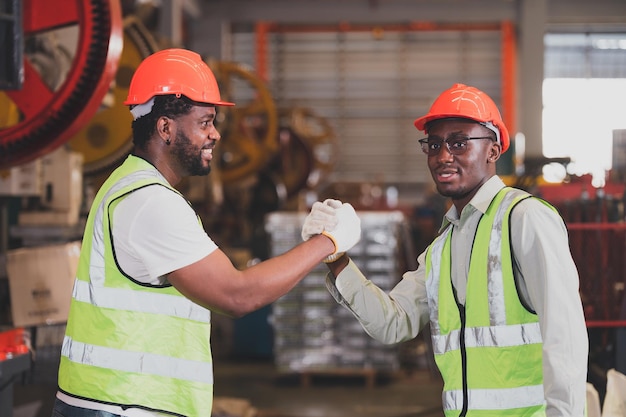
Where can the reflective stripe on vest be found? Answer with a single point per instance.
(501, 336)
(140, 362)
(498, 327)
(493, 399)
(126, 343)
(155, 303)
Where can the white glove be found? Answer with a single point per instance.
(346, 233)
(333, 203)
(321, 217)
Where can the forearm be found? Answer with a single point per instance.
(273, 278)
(388, 318)
(565, 379)
(565, 349)
(216, 284)
(337, 266)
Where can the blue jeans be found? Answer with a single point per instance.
(64, 410)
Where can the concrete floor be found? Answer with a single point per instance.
(271, 394)
(392, 395)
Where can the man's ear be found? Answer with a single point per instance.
(163, 127)
(495, 150)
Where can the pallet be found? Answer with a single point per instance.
(306, 376)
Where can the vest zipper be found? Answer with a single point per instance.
(463, 360)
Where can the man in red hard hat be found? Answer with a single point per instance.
(498, 285)
(137, 336)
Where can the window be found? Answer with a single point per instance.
(583, 100)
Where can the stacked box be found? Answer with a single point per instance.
(40, 282)
(312, 331)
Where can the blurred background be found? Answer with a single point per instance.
(326, 95)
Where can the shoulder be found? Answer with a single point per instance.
(534, 212)
(531, 204)
(153, 203)
(154, 195)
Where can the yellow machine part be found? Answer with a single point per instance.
(107, 138)
(10, 114)
(250, 128)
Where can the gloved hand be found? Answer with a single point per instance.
(346, 233)
(321, 217)
(333, 203)
(338, 221)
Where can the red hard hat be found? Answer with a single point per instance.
(469, 103)
(174, 71)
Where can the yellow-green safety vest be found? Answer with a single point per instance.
(128, 343)
(489, 351)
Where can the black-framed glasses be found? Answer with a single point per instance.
(456, 144)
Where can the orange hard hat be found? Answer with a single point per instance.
(174, 71)
(467, 102)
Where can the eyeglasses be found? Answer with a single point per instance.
(456, 144)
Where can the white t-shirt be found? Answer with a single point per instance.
(155, 231)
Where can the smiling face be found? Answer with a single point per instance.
(194, 140)
(460, 176)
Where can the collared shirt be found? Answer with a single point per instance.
(547, 279)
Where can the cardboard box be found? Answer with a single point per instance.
(63, 191)
(22, 180)
(40, 283)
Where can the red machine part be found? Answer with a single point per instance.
(49, 118)
(12, 342)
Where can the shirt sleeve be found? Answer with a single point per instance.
(389, 318)
(549, 276)
(156, 232)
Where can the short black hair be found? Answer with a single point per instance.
(168, 105)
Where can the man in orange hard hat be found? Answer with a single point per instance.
(498, 285)
(137, 337)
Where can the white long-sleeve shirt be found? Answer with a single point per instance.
(547, 280)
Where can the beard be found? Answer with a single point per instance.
(189, 156)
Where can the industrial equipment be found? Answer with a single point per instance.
(249, 130)
(107, 137)
(65, 102)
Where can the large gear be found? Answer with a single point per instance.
(317, 132)
(250, 128)
(49, 116)
(305, 158)
(107, 138)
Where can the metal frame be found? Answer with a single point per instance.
(12, 73)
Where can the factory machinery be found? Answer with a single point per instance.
(78, 61)
(597, 234)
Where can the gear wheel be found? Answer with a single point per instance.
(107, 139)
(317, 132)
(50, 116)
(250, 129)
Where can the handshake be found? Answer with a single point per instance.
(336, 220)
